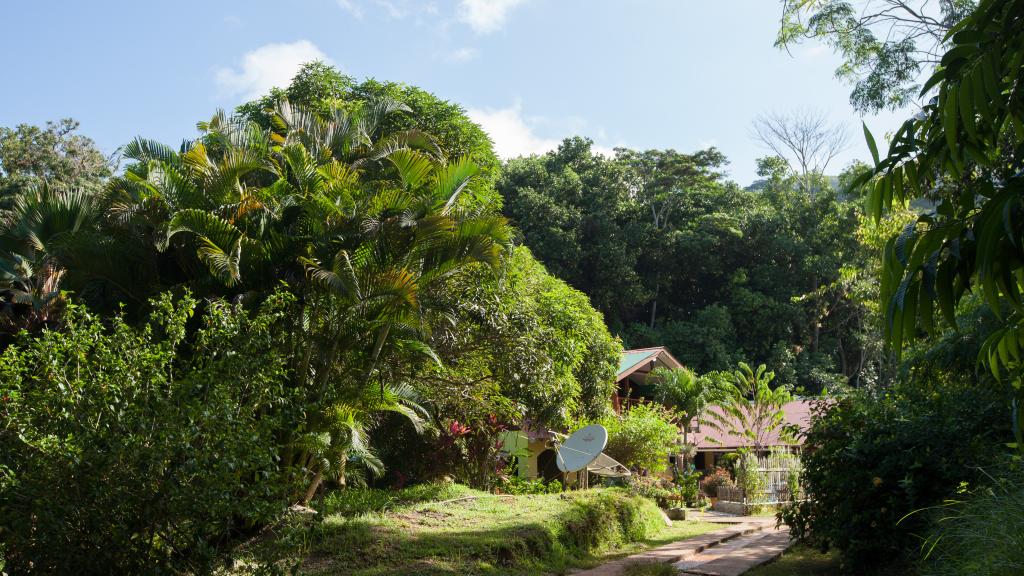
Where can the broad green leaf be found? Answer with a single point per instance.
(871, 143)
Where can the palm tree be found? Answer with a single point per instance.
(42, 225)
(346, 435)
(358, 227)
(750, 408)
(685, 392)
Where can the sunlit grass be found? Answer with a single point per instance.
(801, 560)
(469, 533)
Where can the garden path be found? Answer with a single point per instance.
(746, 542)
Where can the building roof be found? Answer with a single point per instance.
(797, 412)
(631, 358)
(635, 360)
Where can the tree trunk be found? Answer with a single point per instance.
(313, 487)
(654, 302)
(816, 329)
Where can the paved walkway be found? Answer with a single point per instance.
(738, 555)
(745, 542)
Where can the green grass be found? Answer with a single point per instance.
(485, 535)
(801, 560)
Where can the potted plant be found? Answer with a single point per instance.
(709, 485)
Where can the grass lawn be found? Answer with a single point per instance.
(801, 560)
(477, 534)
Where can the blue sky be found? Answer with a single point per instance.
(680, 74)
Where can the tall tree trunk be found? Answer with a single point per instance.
(654, 302)
(318, 478)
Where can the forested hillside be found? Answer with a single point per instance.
(675, 254)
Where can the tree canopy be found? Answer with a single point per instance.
(674, 254)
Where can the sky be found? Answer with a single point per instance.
(681, 74)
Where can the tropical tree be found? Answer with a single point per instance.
(685, 392)
(963, 152)
(54, 155)
(345, 437)
(360, 228)
(44, 222)
(750, 408)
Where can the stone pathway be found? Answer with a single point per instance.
(746, 542)
(738, 555)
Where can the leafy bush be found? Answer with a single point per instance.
(610, 518)
(517, 485)
(126, 451)
(642, 436)
(874, 458)
(689, 488)
(709, 485)
(653, 487)
(749, 476)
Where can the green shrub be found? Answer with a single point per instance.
(749, 476)
(871, 459)
(126, 451)
(609, 518)
(653, 487)
(689, 488)
(642, 436)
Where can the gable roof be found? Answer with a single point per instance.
(633, 360)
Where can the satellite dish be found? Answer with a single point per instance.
(582, 448)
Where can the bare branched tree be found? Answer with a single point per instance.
(805, 139)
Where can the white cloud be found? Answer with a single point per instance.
(486, 16)
(511, 134)
(393, 10)
(462, 54)
(352, 8)
(266, 67)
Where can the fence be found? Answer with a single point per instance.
(774, 470)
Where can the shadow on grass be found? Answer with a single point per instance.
(363, 548)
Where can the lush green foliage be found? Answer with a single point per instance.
(982, 533)
(642, 436)
(764, 278)
(872, 458)
(322, 88)
(56, 156)
(394, 278)
(685, 392)
(963, 152)
(357, 501)
(609, 519)
(138, 450)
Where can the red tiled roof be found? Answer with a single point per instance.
(797, 412)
